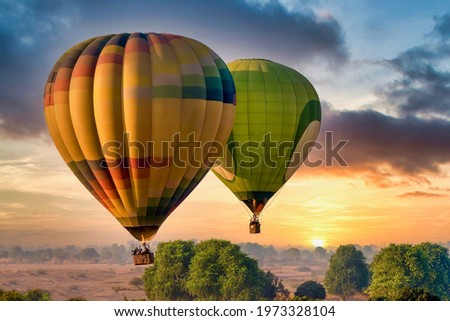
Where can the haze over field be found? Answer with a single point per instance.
(381, 72)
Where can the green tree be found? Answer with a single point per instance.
(220, 271)
(37, 295)
(311, 290)
(166, 279)
(409, 294)
(437, 281)
(347, 273)
(12, 295)
(400, 267)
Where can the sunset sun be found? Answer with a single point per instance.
(318, 242)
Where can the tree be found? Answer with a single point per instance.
(30, 295)
(16, 252)
(166, 279)
(259, 252)
(37, 295)
(210, 270)
(292, 254)
(220, 271)
(311, 290)
(348, 272)
(106, 254)
(403, 266)
(59, 255)
(437, 281)
(12, 295)
(409, 294)
(119, 254)
(320, 253)
(89, 254)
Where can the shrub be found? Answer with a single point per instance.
(311, 290)
(137, 282)
(12, 295)
(37, 295)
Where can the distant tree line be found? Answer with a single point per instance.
(117, 254)
(293, 255)
(120, 254)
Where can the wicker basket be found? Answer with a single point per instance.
(255, 227)
(143, 259)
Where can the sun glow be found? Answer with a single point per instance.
(317, 242)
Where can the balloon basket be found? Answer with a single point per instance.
(143, 259)
(255, 227)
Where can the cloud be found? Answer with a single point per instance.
(424, 86)
(12, 205)
(295, 32)
(35, 34)
(410, 146)
(442, 27)
(421, 194)
(26, 32)
(405, 148)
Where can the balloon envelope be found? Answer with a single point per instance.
(113, 105)
(277, 118)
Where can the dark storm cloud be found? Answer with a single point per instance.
(424, 86)
(234, 26)
(442, 27)
(26, 30)
(410, 146)
(414, 143)
(291, 38)
(34, 34)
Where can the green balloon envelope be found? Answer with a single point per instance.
(277, 118)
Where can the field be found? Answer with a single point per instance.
(293, 275)
(111, 282)
(91, 281)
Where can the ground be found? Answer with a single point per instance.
(111, 282)
(103, 282)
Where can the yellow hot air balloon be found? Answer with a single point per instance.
(277, 117)
(113, 105)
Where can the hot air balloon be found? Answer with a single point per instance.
(277, 120)
(113, 105)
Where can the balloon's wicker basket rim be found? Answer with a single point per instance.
(143, 259)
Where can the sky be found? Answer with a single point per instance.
(382, 72)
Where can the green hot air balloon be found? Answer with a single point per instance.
(277, 118)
